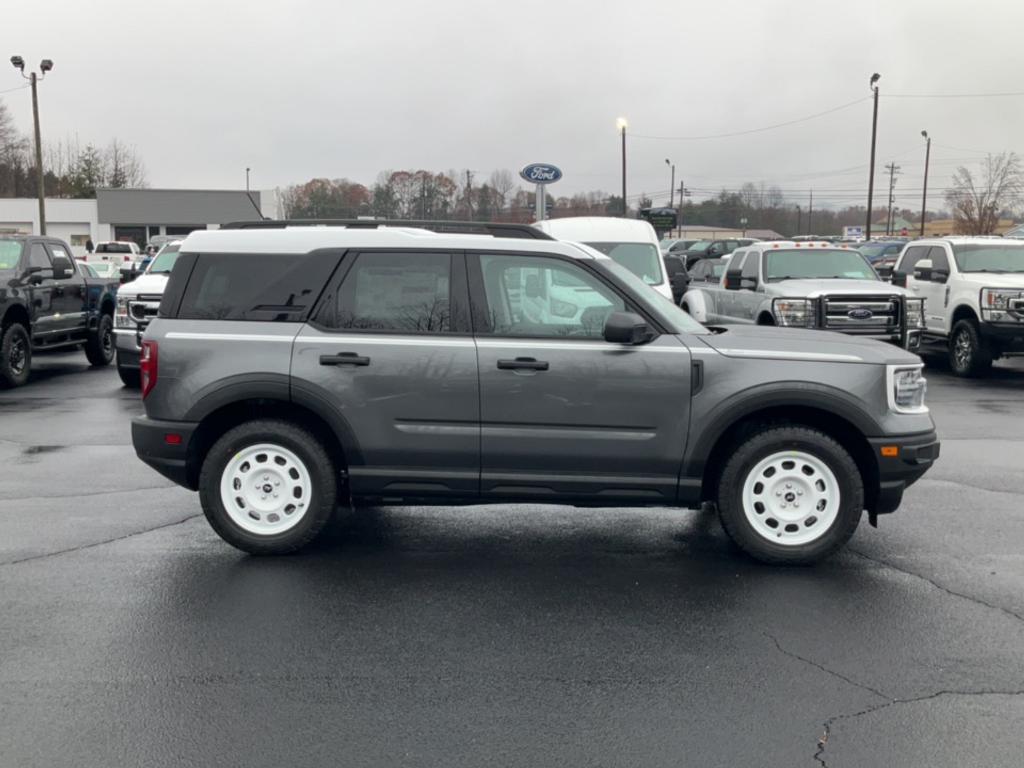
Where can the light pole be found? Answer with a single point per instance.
(672, 186)
(44, 66)
(924, 196)
(622, 124)
(871, 172)
(247, 180)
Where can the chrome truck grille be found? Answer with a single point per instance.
(143, 308)
(862, 314)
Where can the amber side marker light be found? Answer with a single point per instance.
(890, 451)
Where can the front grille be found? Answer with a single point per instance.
(850, 314)
(143, 308)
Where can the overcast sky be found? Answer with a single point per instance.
(345, 89)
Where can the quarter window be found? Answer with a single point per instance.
(403, 292)
(545, 297)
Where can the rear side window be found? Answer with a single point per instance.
(267, 287)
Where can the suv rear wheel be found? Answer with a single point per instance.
(268, 487)
(969, 353)
(790, 495)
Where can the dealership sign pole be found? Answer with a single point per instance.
(540, 174)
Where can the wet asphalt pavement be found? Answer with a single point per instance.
(498, 635)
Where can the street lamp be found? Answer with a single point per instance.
(924, 196)
(44, 66)
(874, 133)
(672, 186)
(622, 124)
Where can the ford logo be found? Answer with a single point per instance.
(860, 314)
(541, 173)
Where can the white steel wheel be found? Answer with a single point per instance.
(791, 498)
(266, 489)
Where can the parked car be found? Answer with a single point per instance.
(882, 254)
(137, 304)
(714, 249)
(105, 269)
(47, 303)
(973, 288)
(674, 246)
(808, 285)
(630, 242)
(293, 370)
(708, 270)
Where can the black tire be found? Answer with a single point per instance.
(15, 356)
(767, 443)
(130, 377)
(321, 470)
(99, 349)
(969, 354)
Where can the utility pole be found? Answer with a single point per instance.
(810, 212)
(423, 196)
(892, 168)
(672, 186)
(924, 196)
(871, 172)
(44, 66)
(469, 193)
(799, 219)
(622, 124)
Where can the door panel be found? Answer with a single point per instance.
(69, 297)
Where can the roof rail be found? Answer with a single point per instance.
(493, 228)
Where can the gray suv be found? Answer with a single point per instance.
(294, 371)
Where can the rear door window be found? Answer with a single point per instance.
(267, 287)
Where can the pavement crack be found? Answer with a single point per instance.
(94, 544)
(940, 587)
(819, 754)
(94, 493)
(826, 670)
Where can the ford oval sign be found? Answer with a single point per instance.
(541, 173)
(861, 313)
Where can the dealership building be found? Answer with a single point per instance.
(136, 214)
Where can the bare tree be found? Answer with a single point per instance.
(503, 184)
(977, 203)
(124, 166)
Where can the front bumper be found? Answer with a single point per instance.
(170, 459)
(913, 455)
(128, 342)
(1008, 336)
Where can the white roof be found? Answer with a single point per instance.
(769, 245)
(599, 229)
(308, 238)
(967, 240)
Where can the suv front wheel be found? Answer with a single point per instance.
(268, 487)
(790, 495)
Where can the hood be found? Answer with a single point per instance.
(798, 344)
(812, 289)
(144, 284)
(994, 280)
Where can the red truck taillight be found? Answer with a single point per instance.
(148, 367)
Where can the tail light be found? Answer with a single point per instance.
(148, 366)
(127, 258)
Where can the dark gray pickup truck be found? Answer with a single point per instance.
(47, 302)
(295, 371)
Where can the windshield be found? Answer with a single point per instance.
(815, 263)
(997, 257)
(872, 252)
(10, 253)
(164, 261)
(700, 245)
(667, 306)
(113, 248)
(642, 259)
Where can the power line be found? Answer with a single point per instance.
(950, 95)
(16, 88)
(752, 130)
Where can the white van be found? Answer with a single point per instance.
(630, 242)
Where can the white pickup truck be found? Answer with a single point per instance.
(973, 289)
(808, 285)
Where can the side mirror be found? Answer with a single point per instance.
(62, 268)
(940, 275)
(714, 251)
(733, 281)
(626, 328)
(748, 284)
(923, 270)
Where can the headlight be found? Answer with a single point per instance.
(907, 387)
(121, 318)
(1000, 305)
(915, 313)
(797, 313)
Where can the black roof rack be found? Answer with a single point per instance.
(493, 228)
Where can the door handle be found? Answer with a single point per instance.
(524, 364)
(344, 358)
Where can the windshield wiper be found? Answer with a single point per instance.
(991, 271)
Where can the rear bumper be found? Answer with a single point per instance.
(170, 459)
(914, 455)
